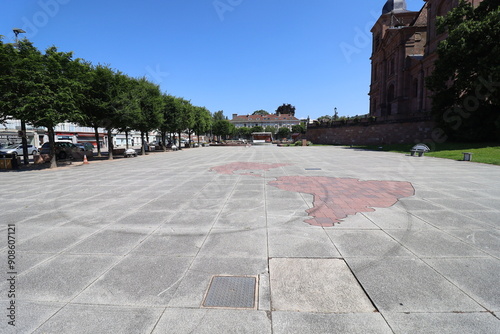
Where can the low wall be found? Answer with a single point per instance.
(371, 133)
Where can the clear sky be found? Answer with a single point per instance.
(233, 55)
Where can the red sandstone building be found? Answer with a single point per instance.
(404, 52)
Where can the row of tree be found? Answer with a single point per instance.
(45, 89)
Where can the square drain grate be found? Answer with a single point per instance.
(231, 292)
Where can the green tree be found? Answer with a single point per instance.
(244, 132)
(202, 121)
(168, 112)
(260, 112)
(465, 82)
(219, 116)
(271, 129)
(223, 128)
(325, 119)
(257, 128)
(117, 106)
(146, 105)
(98, 81)
(186, 117)
(286, 109)
(44, 88)
(283, 133)
(9, 81)
(298, 128)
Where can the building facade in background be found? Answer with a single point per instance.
(10, 134)
(275, 121)
(404, 52)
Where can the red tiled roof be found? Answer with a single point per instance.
(253, 118)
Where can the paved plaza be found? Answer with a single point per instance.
(260, 239)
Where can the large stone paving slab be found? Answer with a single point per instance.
(401, 284)
(138, 280)
(443, 323)
(486, 240)
(30, 316)
(113, 241)
(90, 319)
(204, 321)
(434, 243)
(478, 277)
(367, 243)
(61, 278)
(235, 243)
(317, 323)
(299, 242)
(316, 285)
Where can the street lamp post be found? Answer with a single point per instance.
(24, 140)
(18, 31)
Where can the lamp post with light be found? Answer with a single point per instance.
(18, 31)
(22, 133)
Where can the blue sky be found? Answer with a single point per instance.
(233, 55)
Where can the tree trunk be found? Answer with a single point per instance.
(180, 143)
(126, 139)
(25, 143)
(53, 163)
(96, 130)
(110, 144)
(164, 140)
(143, 147)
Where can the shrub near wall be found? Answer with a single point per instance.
(371, 133)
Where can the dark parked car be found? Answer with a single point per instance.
(85, 146)
(64, 150)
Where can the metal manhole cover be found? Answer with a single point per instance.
(231, 292)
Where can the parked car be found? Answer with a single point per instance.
(63, 150)
(17, 149)
(85, 146)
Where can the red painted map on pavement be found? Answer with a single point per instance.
(334, 198)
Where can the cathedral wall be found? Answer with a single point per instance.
(403, 132)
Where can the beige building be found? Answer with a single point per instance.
(276, 121)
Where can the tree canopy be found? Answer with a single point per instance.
(45, 89)
(260, 112)
(286, 109)
(466, 79)
(283, 133)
